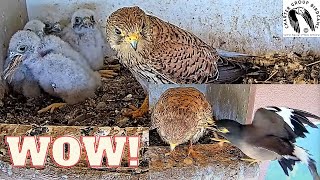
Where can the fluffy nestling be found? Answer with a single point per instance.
(41, 28)
(56, 74)
(21, 79)
(84, 35)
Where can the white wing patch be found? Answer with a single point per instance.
(285, 113)
(301, 154)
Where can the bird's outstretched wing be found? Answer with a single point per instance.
(307, 17)
(275, 123)
(282, 147)
(284, 122)
(294, 20)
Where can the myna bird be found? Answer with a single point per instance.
(55, 73)
(84, 35)
(181, 115)
(158, 52)
(271, 136)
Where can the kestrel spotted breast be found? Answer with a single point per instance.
(181, 115)
(158, 52)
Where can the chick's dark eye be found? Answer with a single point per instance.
(117, 31)
(22, 49)
(143, 25)
(47, 25)
(77, 20)
(92, 19)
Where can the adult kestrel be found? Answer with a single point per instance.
(181, 115)
(272, 136)
(158, 52)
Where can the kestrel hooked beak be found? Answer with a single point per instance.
(133, 39)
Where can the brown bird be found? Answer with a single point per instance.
(181, 115)
(158, 52)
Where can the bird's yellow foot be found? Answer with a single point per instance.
(52, 107)
(108, 73)
(252, 161)
(220, 141)
(139, 112)
(217, 139)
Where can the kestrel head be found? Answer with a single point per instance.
(52, 27)
(128, 29)
(83, 20)
(23, 45)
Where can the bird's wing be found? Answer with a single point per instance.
(307, 17)
(183, 63)
(231, 71)
(273, 124)
(280, 146)
(290, 120)
(185, 58)
(294, 20)
(276, 144)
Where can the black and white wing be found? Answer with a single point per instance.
(307, 17)
(294, 20)
(284, 122)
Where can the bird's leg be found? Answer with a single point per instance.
(194, 154)
(51, 107)
(109, 71)
(252, 161)
(221, 141)
(139, 112)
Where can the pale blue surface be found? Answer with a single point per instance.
(300, 171)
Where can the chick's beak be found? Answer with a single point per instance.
(87, 22)
(172, 146)
(16, 61)
(133, 39)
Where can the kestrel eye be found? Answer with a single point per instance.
(22, 49)
(117, 31)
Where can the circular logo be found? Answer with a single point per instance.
(301, 16)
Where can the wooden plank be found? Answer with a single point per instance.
(211, 161)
